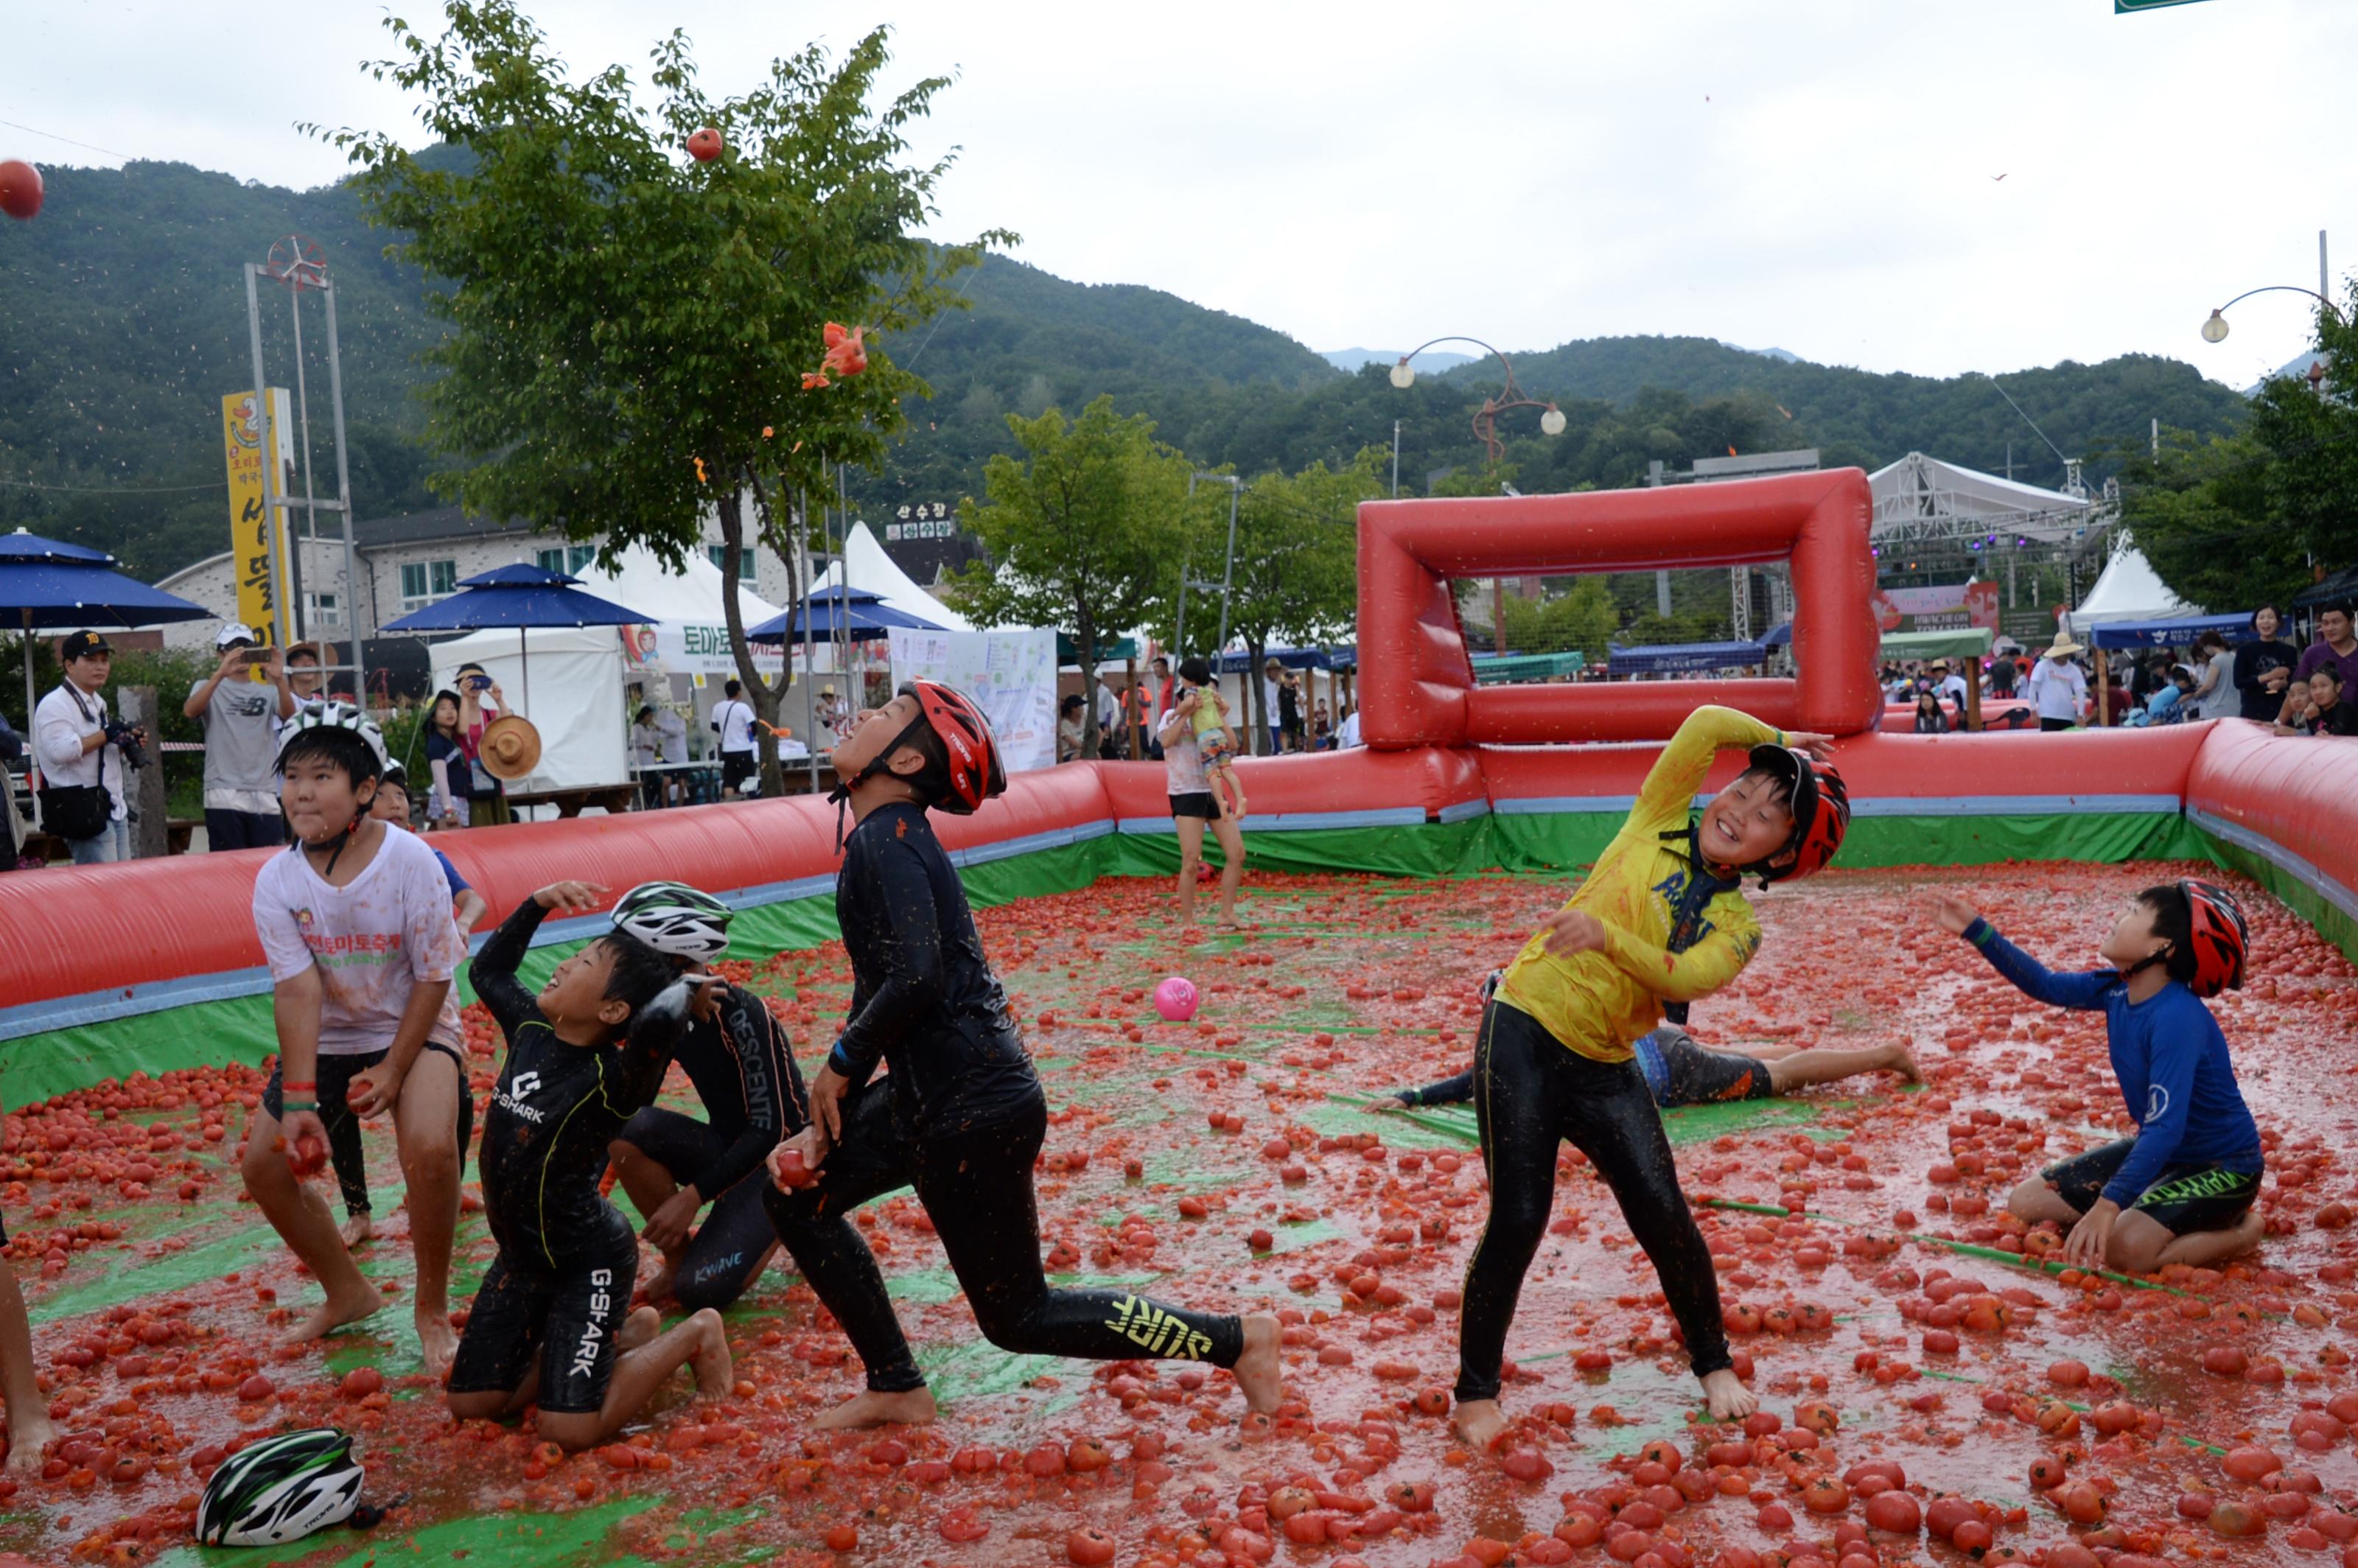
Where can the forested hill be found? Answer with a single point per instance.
(124, 321)
(2096, 412)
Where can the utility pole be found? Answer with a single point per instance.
(1396, 425)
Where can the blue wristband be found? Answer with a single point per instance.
(844, 1067)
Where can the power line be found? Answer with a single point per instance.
(68, 141)
(113, 488)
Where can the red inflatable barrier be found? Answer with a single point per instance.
(1317, 783)
(2292, 793)
(1417, 682)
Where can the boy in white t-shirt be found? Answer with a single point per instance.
(355, 919)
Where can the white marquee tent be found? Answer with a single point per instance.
(2128, 589)
(690, 632)
(869, 571)
(1922, 498)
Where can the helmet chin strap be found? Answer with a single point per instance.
(841, 797)
(2148, 962)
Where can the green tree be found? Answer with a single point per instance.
(630, 331)
(1583, 619)
(1295, 575)
(1083, 532)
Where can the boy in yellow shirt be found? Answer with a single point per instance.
(1657, 922)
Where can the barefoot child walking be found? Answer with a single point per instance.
(1658, 920)
(551, 1326)
(960, 1116)
(2181, 1190)
(354, 919)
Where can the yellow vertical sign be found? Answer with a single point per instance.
(249, 517)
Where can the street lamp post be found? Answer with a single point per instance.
(1486, 418)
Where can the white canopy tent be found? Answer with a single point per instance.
(866, 569)
(2128, 589)
(567, 680)
(689, 635)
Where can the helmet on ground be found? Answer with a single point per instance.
(976, 772)
(280, 1490)
(1821, 805)
(337, 716)
(2220, 938)
(674, 918)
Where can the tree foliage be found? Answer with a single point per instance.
(632, 334)
(2233, 521)
(1084, 530)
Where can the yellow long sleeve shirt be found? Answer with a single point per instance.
(1600, 1004)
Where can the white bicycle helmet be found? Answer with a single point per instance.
(674, 918)
(335, 716)
(280, 1490)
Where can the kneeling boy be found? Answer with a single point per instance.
(549, 1327)
(2181, 1190)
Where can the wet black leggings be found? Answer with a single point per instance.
(975, 1185)
(1531, 1094)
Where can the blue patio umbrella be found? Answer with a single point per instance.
(521, 596)
(50, 584)
(833, 611)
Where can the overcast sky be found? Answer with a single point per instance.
(1818, 174)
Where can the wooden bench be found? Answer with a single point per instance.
(613, 798)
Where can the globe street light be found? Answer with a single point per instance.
(2214, 330)
(1486, 418)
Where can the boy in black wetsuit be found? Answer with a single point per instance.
(547, 1327)
(671, 1165)
(960, 1116)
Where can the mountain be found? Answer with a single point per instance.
(1432, 362)
(125, 322)
(1788, 356)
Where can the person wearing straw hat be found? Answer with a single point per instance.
(510, 748)
(2058, 689)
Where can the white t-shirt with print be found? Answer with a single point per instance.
(372, 942)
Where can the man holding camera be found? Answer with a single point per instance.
(241, 716)
(83, 753)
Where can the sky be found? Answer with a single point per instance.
(1933, 186)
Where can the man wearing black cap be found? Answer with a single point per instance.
(241, 716)
(82, 757)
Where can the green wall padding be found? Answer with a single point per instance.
(37, 1066)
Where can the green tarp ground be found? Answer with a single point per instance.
(37, 1066)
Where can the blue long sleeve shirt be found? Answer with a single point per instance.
(2171, 1061)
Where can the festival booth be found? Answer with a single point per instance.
(567, 680)
(1666, 658)
(1457, 778)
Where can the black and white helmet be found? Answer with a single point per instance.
(280, 1490)
(341, 716)
(674, 918)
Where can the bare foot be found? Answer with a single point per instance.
(1728, 1399)
(1479, 1422)
(642, 1324)
(716, 1372)
(357, 1229)
(438, 1342)
(1260, 1372)
(332, 1313)
(1903, 1062)
(26, 1438)
(914, 1407)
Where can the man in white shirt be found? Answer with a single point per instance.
(242, 716)
(733, 722)
(1108, 715)
(1346, 734)
(80, 748)
(2058, 690)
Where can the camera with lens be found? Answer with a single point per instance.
(130, 741)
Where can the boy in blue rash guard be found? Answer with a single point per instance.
(2181, 1190)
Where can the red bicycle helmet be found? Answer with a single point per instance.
(1821, 812)
(976, 772)
(2220, 938)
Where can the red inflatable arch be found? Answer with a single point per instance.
(1417, 686)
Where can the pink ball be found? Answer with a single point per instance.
(1175, 999)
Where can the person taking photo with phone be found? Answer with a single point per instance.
(241, 717)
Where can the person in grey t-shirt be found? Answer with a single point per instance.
(241, 716)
